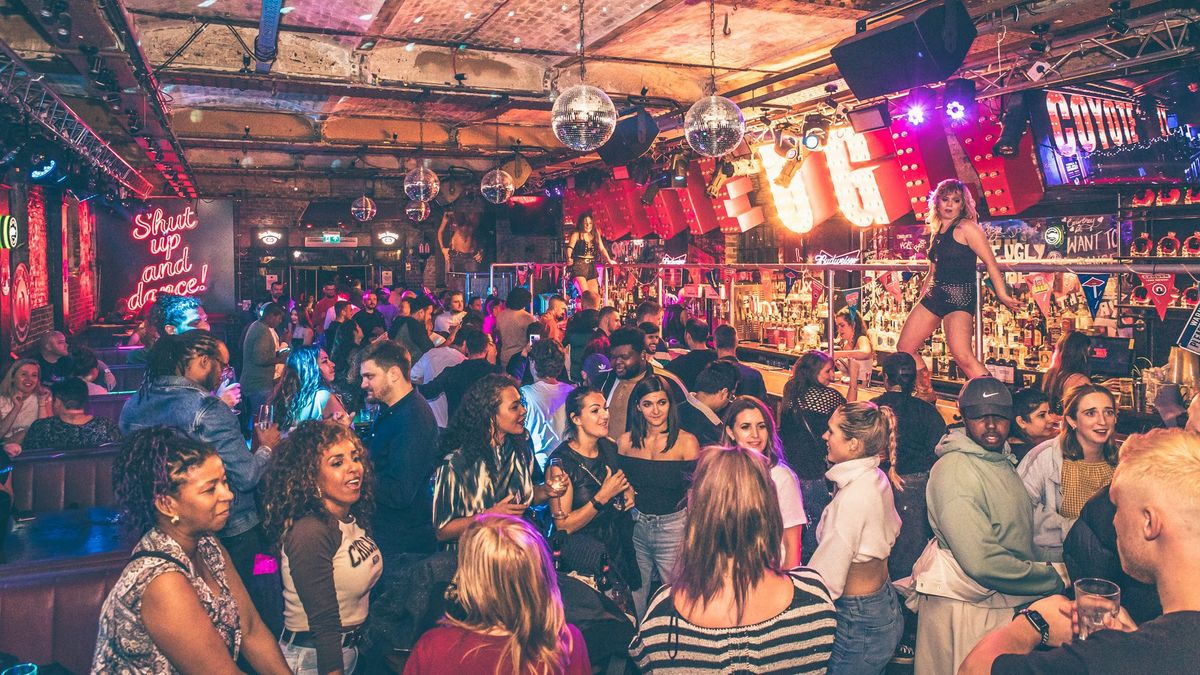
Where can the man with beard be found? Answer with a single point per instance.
(980, 566)
(1156, 489)
(403, 449)
(369, 318)
(181, 373)
(630, 362)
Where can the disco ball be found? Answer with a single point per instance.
(497, 186)
(421, 184)
(583, 118)
(417, 211)
(714, 126)
(363, 209)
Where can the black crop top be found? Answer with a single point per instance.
(661, 485)
(584, 249)
(955, 262)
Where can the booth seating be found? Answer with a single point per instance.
(48, 480)
(108, 406)
(128, 376)
(117, 356)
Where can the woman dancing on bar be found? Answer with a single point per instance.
(584, 245)
(948, 296)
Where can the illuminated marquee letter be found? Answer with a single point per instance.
(1059, 109)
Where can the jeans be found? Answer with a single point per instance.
(868, 629)
(915, 531)
(656, 542)
(303, 660)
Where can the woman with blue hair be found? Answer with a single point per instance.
(304, 391)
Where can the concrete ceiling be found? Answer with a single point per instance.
(361, 88)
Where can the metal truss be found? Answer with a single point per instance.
(27, 91)
(1160, 39)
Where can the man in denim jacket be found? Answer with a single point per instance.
(182, 372)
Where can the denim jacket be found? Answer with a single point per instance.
(184, 405)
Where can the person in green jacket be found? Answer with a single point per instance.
(981, 563)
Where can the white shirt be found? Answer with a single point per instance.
(545, 418)
(859, 525)
(791, 503)
(429, 366)
(442, 322)
(26, 417)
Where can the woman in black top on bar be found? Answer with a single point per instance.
(957, 244)
(658, 459)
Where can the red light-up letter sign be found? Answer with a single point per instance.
(1087, 123)
(175, 273)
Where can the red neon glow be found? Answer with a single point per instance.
(39, 278)
(176, 273)
(1087, 122)
(525, 200)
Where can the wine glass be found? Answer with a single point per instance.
(556, 477)
(266, 416)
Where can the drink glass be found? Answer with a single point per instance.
(21, 669)
(266, 416)
(556, 476)
(1095, 600)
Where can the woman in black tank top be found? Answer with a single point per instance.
(957, 243)
(658, 459)
(584, 247)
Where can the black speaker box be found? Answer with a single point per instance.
(919, 49)
(635, 132)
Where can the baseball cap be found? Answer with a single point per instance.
(596, 366)
(899, 364)
(983, 396)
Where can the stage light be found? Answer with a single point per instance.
(1013, 119)
(785, 146)
(1118, 25)
(870, 118)
(679, 171)
(788, 172)
(816, 129)
(959, 97)
(722, 172)
(652, 189)
(918, 105)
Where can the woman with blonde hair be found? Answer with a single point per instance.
(730, 607)
(957, 243)
(511, 618)
(855, 538)
(23, 401)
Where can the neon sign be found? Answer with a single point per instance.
(1087, 122)
(175, 273)
(9, 232)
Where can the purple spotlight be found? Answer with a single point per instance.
(916, 115)
(957, 111)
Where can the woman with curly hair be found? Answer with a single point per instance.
(178, 605)
(488, 465)
(318, 502)
(303, 393)
(511, 618)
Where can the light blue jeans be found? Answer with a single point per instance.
(656, 542)
(868, 629)
(303, 660)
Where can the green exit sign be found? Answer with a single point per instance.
(331, 237)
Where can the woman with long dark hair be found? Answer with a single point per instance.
(346, 341)
(1062, 474)
(301, 329)
(658, 458)
(749, 425)
(488, 465)
(1034, 422)
(804, 411)
(957, 243)
(855, 355)
(1069, 368)
(304, 394)
(675, 318)
(729, 606)
(512, 620)
(584, 247)
(855, 538)
(178, 606)
(317, 503)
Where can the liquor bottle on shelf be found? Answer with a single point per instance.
(992, 366)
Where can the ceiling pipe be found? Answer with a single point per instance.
(266, 45)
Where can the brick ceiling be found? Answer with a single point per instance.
(362, 87)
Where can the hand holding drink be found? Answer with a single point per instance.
(1097, 605)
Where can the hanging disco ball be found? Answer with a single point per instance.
(714, 125)
(583, 118)
(421, 184)
(497, 186)
(417, 211)
(363, 209)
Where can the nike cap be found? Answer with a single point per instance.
(983, 396)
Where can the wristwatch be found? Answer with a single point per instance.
(596, 504)
(1039, 624)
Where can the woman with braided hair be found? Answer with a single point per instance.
(318, 500)
(855, 537)
(178, 605)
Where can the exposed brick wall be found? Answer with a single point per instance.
(81, 285)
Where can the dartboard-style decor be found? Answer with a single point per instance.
(22, 303)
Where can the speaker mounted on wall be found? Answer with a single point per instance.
(635, 132)
(926, 47)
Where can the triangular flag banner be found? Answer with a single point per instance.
(891, 282)
(851, 296)
(1160, 287)
(522, 274)
(1040, 285)
(1093, 290)
(905, 276)
(818, 289)
(790, 277)
(713, 277)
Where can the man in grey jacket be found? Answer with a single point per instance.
(261, 352)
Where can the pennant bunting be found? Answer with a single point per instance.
(790, 277)
(1093, 286)
(713, 277)
(522, 274)
(891, 282)
(818, 290)
(1161, 288)
(1040, 285)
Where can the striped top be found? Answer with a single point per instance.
(798, 640)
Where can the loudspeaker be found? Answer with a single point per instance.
(926, 47)
(635, 132)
